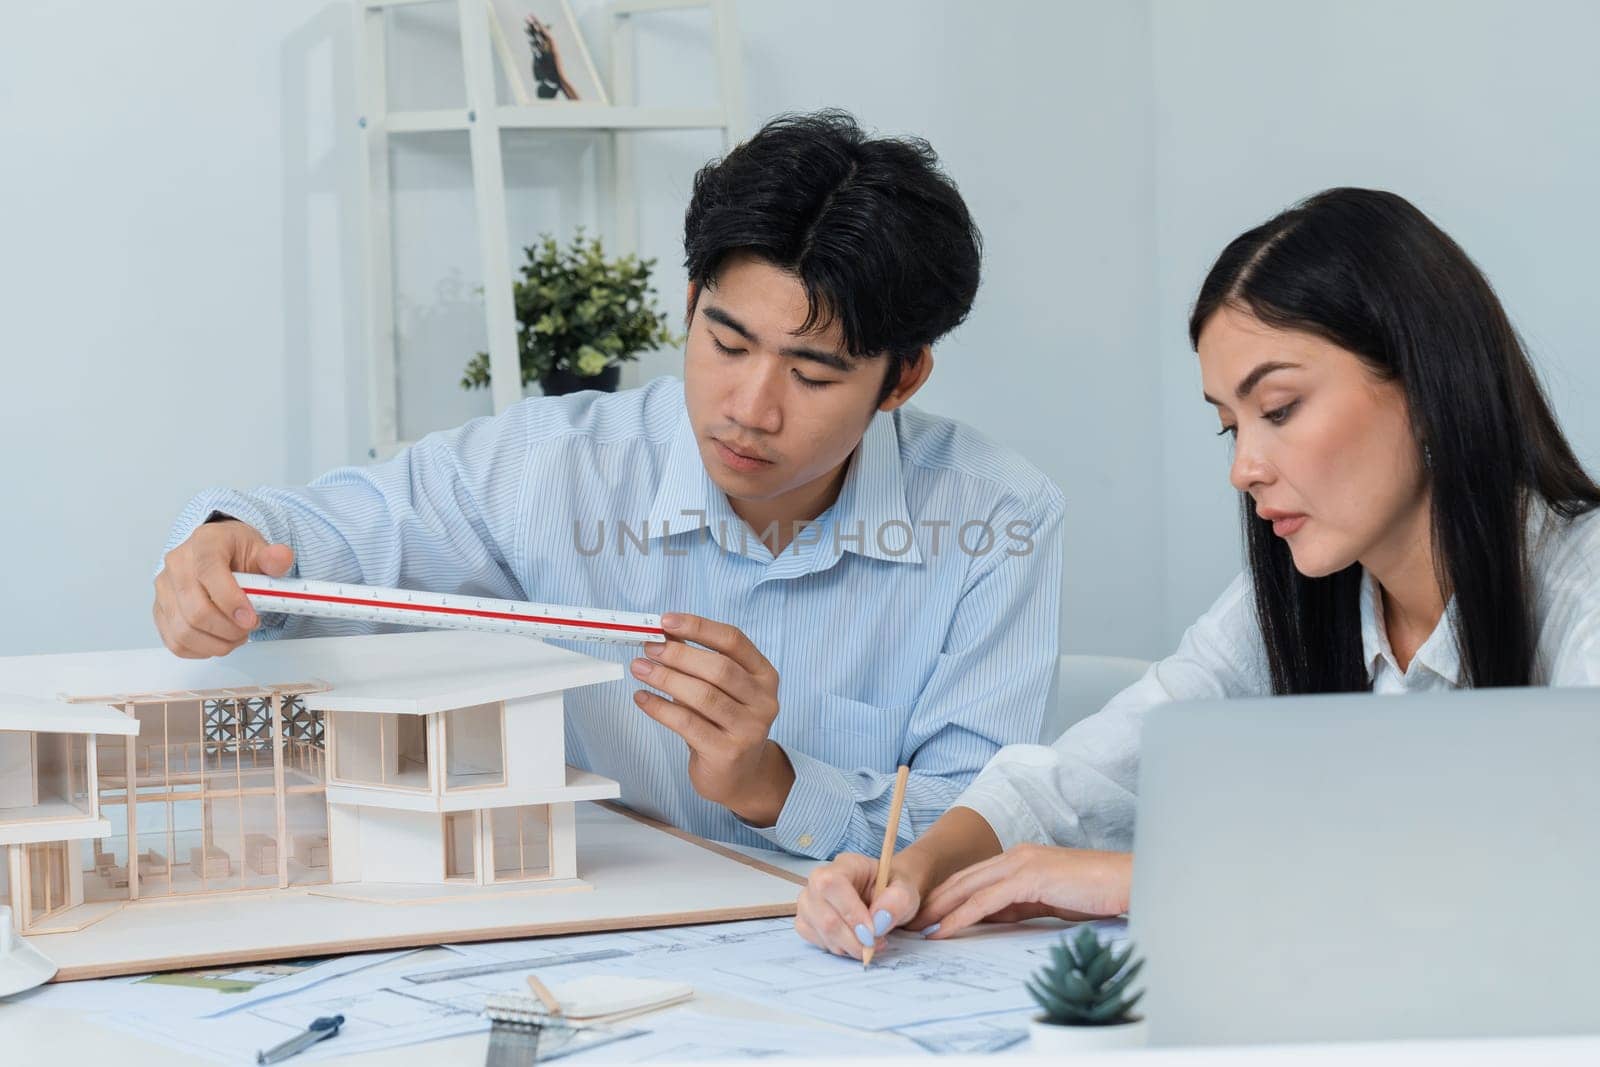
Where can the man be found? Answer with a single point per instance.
(869, 585)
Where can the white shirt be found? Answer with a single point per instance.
(1080, 791)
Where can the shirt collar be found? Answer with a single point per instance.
(869, 518)
(686, 499)
(1438, 653)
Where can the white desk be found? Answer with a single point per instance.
(37, 1034)
(42, 1036)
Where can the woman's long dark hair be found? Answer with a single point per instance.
(1369, 272)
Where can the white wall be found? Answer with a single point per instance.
(181, 272)
(181, 245)
(176, 280)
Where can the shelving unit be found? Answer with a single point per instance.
(483, 120)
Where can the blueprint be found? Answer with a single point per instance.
(961, 995)
(911, 981)
(972, 1034)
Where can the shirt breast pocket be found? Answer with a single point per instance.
(847, 733)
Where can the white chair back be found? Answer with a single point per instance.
(1083, 685)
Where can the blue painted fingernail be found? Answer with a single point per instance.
(881, 921)
(864, 935)
(930, 931)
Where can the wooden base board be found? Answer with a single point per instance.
(406, 895)
(643, 874)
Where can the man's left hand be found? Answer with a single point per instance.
(724, 701)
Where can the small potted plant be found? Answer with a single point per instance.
(581, 317)
(1083, 993)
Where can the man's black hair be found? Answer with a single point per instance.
(874, 230)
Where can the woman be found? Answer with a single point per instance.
(1414, 520)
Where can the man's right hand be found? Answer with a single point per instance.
(838, 912)
(200, 610)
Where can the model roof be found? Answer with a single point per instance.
(19, 712)
(401, 672)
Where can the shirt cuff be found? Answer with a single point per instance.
(816, 815)
(234, 505)
(999, 805)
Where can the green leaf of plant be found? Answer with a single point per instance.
(1073, 987)
(1100, 968)
(1055, 1009)
(572, 301)
(1114, 1011)
(1115, 987)
(1085, 947)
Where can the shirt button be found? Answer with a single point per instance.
(804, 841)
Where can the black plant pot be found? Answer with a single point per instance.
(560, 382)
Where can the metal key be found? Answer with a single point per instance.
(320, 1029)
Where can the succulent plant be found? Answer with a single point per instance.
(1084, 983)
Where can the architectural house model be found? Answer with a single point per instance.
(326, 795)
(418, 760)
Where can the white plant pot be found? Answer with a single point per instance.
(1052, 1037)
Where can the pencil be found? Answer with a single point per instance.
(542, 991)
(886, 854)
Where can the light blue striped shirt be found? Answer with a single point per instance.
(916, 622)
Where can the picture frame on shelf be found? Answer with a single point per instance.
(543, 53)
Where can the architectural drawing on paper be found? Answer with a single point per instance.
(393, 766)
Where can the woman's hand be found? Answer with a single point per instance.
(838, 912)
(1026, 882)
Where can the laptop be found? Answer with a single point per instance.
(1355, 867)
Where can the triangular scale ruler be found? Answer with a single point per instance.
(445, 611)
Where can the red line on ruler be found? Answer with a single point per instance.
(439, 609)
